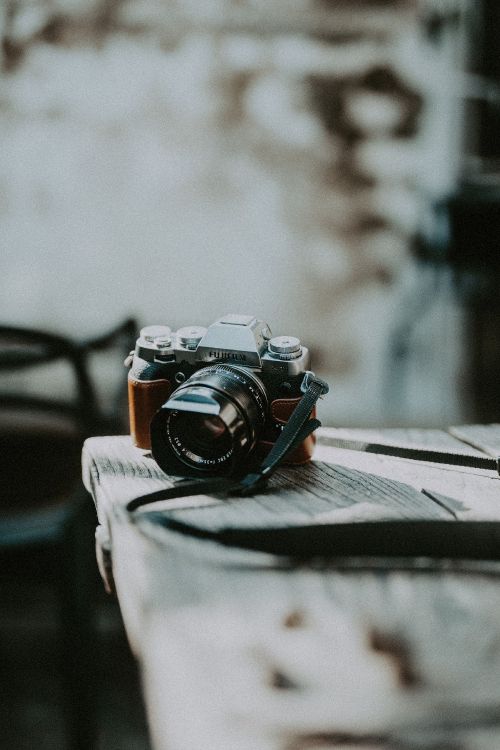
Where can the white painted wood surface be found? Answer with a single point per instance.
(246, 651)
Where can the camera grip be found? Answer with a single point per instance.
(145, 397)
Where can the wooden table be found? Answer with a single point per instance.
(244, 650)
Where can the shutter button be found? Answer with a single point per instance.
(190, 336)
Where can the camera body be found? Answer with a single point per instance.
(214, 400)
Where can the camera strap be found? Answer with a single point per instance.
(295, 431)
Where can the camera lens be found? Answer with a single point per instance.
(211, 423)
(198, 438)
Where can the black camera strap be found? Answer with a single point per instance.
(403, 539)
(295, 431)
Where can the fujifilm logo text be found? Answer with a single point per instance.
(234, 356)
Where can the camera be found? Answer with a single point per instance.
(213, 401)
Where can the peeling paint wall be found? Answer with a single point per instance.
(180, 160)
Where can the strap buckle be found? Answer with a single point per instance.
(309, 379)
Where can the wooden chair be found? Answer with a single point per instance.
(46, 519)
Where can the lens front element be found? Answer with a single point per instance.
(200, 439)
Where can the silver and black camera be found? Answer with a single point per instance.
(213, 401)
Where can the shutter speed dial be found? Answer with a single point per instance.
(285, 347)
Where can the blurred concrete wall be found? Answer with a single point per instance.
(179, 160)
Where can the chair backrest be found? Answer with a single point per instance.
(26, 349)
(43, 424)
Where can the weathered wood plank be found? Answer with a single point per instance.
(420, 439)
(476, 491)
(436, 446)
(318, 493)
(485, 437)
(261, 657)
(114, 472)
(335, 488)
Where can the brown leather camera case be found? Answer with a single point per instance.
(145, 398)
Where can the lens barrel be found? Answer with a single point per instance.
(211, 423)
